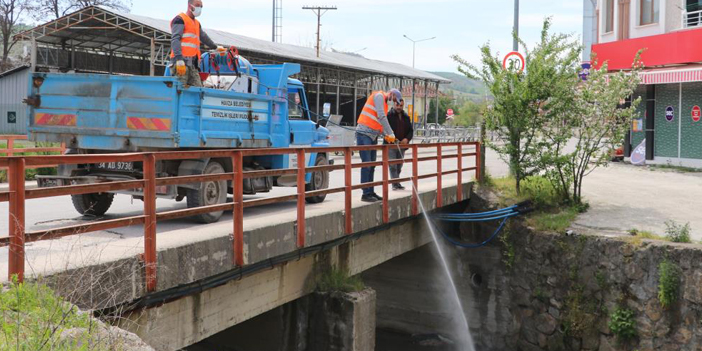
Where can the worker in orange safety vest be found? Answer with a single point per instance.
(187, 35)
(373, 123)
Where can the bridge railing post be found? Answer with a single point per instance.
(386, 192)
(238, 214)
(150, 257)
(439, 176)
(415, 180)
(459, 186)
(10, 147)
(479, 162)
(16, 219)
(348, 190)
(301, 198)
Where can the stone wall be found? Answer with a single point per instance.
(539, 291)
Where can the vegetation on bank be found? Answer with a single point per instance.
(34, 319)
(551, 213)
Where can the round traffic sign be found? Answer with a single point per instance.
(514, 61)
(696, 113)
(669, 113)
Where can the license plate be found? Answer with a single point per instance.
(116, 166)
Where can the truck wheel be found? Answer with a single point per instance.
(320, 180)
(92, 204)
(209, 193)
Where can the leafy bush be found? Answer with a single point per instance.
(339, 280)
(622, 324)
(677, 233)
(668, 283)
(541, 191)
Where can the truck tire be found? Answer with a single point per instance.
(209, 193)
(92, 204)
(320, 180)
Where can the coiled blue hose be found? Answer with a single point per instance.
(503, 214)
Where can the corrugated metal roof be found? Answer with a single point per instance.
(298, 53)
(13, 71)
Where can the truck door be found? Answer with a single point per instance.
(302, 129)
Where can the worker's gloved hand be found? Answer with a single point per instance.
(221, 50)
(181, 69)
(390, 139)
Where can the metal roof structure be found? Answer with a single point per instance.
(93, 29)
(94, 39)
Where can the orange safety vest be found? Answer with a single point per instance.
(369, 114)
(190, 44)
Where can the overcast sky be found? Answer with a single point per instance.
(460, 26)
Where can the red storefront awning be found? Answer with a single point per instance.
(686, 74)
(682, 47)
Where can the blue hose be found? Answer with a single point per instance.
(481, 214)
(503, 214)
(473, 246)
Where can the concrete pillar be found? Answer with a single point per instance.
(317, 322)
(342, 321)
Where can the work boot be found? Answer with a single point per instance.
(398, 187)
(369, 198)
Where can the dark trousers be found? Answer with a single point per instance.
(396, 154)
(367, 173)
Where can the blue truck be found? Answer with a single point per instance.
(240, 106)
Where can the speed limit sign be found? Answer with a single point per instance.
(514, 61)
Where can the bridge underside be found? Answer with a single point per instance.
(190, 319)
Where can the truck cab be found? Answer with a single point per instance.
(240, 106)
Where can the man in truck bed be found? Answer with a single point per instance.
(187, 34)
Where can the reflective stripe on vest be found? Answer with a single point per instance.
(369, 114)
(190, 43)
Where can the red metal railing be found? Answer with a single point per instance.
(11, 151)
(17, 194)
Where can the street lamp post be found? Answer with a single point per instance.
(414, 50)
(516, 25)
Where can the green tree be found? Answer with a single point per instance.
(525, 101)
(470, 114)
(581, 139)
(446, 102)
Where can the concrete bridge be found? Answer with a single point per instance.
(200, 290)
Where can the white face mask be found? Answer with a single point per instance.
(197, 11)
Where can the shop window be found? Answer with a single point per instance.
(648, 11)
(609, 16)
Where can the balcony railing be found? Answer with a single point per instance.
(692, 19)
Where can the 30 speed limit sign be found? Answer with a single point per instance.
(514, 61)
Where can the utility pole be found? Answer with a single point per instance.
(515, 45)
(277, 21)
(319, 11)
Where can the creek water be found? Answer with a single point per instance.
(463, 338)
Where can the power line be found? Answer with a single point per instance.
(319, 11)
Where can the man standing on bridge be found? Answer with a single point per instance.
(402, 126)
(372, 123)
(187, 35)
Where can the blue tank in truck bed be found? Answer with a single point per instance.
(136, 113)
